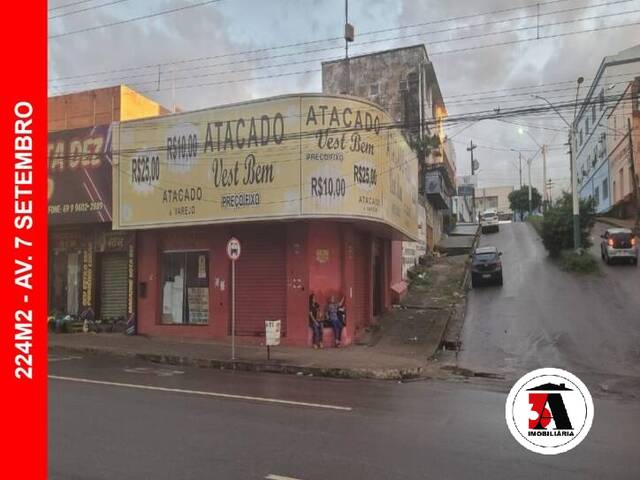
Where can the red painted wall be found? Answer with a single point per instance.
(320, 258)
(325, 272)
(151, 244)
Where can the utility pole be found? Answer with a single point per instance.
(573, 151)
(349, 36)
(529, 173)
(346, 22)
(470, 149)
(632, 171)
(520, 167)
(545, 198)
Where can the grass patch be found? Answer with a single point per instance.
(579, 262)
(419, 276)
(536, 223)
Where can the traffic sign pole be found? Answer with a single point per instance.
(233, 252)
(233, 309)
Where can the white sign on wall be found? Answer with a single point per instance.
(272, 332)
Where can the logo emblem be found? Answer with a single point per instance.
(549, 411)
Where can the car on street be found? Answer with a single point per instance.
(486, 266)
(489, 221)
(619, 244)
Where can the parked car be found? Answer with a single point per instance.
(489, 221)
(619, 243)
(486, 265)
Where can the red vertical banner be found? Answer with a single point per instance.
(23, 247)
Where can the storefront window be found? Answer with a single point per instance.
(185, 289)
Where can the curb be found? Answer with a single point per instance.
(348, 373)
(459, 310)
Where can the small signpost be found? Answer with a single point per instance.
(272, 335)
(233, 252)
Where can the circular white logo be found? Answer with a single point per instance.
(549, 411)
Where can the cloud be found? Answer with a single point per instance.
(226, 31)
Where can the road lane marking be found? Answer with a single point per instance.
(55, 358)
(271, 476)
(276, 401)
(160, 372)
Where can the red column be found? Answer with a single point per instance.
(297, 283)
(348, 272)
(219, 282)
(148, 290)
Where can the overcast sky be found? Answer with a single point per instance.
(222, 52)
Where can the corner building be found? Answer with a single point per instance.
(315, 187)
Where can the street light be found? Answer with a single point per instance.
(521, 131)
(574, 170)
(519, 163)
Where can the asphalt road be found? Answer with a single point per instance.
(383, 430)
(545, 317)
(124, 419)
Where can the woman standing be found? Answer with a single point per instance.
(314, 321)
(333, 315)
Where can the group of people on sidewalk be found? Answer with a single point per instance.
(335, 316)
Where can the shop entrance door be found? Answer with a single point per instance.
(114, 285)
(58, 282)
(73, 283)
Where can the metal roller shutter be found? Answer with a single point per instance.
(113, 286)
(261, 280)
(362, 280)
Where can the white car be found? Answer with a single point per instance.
(619, 243)
(489, 221)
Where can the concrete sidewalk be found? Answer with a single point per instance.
(618, 222)
(402, 345)
(383, 361)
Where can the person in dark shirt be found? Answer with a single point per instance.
(335, 316)
(315, 322)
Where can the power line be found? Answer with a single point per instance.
(68, 5)
(262, 50)
(65, 14)
(278, 47)
(134, 19)
(450, 51)
(155, 123)
(155, 74)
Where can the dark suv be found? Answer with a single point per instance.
(486, 265)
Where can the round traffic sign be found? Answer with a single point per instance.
(233, 248)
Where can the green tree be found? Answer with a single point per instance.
(424, 146)
(557, 224)
(519, 200)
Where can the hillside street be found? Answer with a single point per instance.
(195, 423)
